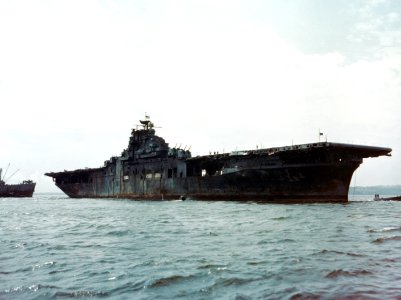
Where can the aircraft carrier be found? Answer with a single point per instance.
(149, 169)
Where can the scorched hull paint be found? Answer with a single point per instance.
(149, 169)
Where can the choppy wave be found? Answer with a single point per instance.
(387, 239)
(338, 273)
(340, 253)
(305, 296)
(385, 229)
(57, 248)
(170, 280)
(80, 294)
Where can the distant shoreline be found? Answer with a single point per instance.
(376, 189)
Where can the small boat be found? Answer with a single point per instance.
(395, 198)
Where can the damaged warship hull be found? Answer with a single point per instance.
(149, 169)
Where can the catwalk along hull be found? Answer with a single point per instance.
(17, 190)
(149, 169)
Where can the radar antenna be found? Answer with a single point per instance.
(147, 123)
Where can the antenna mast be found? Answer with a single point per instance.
(5, 173)
(320, 134)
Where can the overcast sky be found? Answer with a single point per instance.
(76, 76)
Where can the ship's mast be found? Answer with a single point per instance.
(5, 173)
(3, 179)
(146, 124)
(9, 177)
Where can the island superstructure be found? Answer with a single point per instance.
(149, 169)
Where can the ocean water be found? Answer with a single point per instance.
(52, 247)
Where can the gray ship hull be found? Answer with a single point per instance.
(318, 172)
(297, 184)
